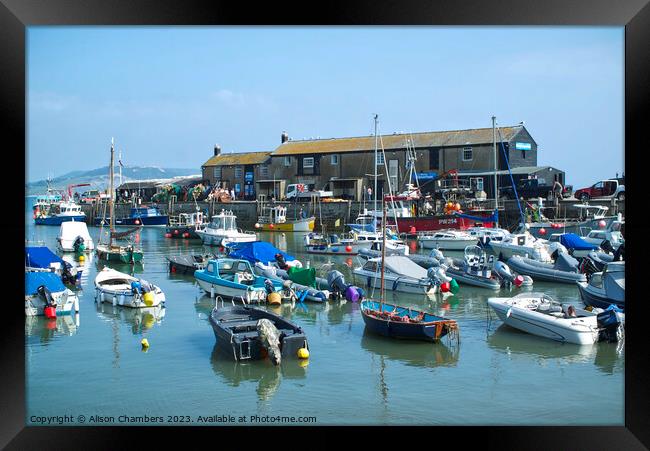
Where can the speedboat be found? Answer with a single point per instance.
(565, 269)
(475, 269)
(224, 227)
(46, 295)
(400, 274)
(74, 237)
(541, 315)
(234, 278)
(250, 333)
(523, 244)
(447, 240)
(122, 289)
(605, 288)
(577, 246)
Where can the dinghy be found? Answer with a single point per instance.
(118, 288)
(46, 295)
(541, 315)
(565, 269)
(475, 269)
(605, 288)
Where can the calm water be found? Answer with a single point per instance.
(94, 365)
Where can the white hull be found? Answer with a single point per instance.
(403, 284)
(449, 245)
(126, 298)
(581, 331)
(213, 237)
(249, 296)
(67, 303)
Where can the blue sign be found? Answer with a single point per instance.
(523, 146)
(248, 177)
(427, 175)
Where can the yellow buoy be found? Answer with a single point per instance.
(144, 343)
(148, 299)
(82, 258)
(274, 298)
(303, 353)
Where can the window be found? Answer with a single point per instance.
(308, 162)
(239, 171)
(217, 173)
(264, 170)
(467, 154)
(287, 161)
(476, 183)
(434, 158)
(334, 160)
(380, 159)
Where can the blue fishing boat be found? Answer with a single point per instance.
(234, 279)
(139, 216)
(57, 213)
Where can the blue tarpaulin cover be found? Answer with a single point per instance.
(33, 280)
(493, 218)
(40, 257)
(573, 241)
(257, 251)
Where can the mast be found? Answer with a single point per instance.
(375, 193)
(119, 159)
(110, 198)
(383, 251)
(494, 141)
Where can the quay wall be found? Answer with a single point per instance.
(345, 212)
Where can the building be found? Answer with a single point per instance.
(237, 171)
(346, 166)
(145, 190)
(484, 180)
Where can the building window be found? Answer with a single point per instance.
(335, 160)
(287, 161)
(264, 170)
(308, 162)
(467, 153)
(434, 159)
(476, 183)
(380, 159)
(217, 173)
(239, 172)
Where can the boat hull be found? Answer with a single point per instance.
(544, 271)
(301, 225)
(468, 279)
(126, 298)
(403, 284)
(66, 304)
(256, 295)
(595, 299)
(143, 221)
(438, 222)
(117, 256)
(58, 220)
(181, 231)
(216, 239)
(449, 245)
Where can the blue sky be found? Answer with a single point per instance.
(168, 94)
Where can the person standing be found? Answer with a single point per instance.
(369, 191)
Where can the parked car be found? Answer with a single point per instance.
(533, 188)
(610, 188)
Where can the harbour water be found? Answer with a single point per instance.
(93, 366)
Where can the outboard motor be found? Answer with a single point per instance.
(437, 274)
(79, 245)
(611, 324)
(435, 253)
(50, 304)
(339, 288)
(619, 255)
(136, 287)
(504, 271)
(66, 274)
(607, 247)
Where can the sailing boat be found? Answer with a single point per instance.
(112, 251)
(403, 322)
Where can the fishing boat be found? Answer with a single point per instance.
(185, 225)
(118, 288)
(251, 333)
(565, 269)
(234, 278)
(399, 274)
(274, 219)
(541, 315)
(56, 213)
(138, 216)
(605, 288)
(223, 227)
(446, 240)
(475, 269)
(74, 237)
(403, 322)
(45, 294)
(188, 263)
(112, 251)
(330, 244)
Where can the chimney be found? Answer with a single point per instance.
(217, 150)
(285, 137)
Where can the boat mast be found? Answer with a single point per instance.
(110, 197)
(383, 251)
(494, 141)
(375, 193)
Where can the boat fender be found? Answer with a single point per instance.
(148, 298)
(274, 298)
(303, 353)
(453, 286)
(353, 294)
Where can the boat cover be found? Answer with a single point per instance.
(404, 266)
(303, 276)
(33, 280)
(573, 241)
(565, 262)
(257, 251)
(493, 218)
(41, 257)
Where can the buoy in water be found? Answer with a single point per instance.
(168, 235)
(274, 298)
(50, 312)
(445, 287)
(186, 235)
(82, 258)
(137, 222)
(518, 281)
(412, 230)
(303, 353)
(148, 298)
(176, 232)
(144, 343)
(271, 226)
(257, 225)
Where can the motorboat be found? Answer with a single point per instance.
(122, 289)
(400, 274)
(138, 216)
(39, 258)
(251, 333)
(188, 263)
(565, 269)
(523, 244)
(74, 237)
(45, 294)
(446, 240)
(393, 247)
(58, 212)
(234, 278)
(274, 219)
(485, 235)
(405, 323)
(475, 269)
(223, 227)
(605, 288)
(541, 315)
(332, 244)
(600, 237)
(185, 225)
(575, 245)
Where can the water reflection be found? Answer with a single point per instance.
(267, 375)
(138, 319)
(47, 329)
(422, 354)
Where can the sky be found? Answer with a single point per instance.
(169, 94)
